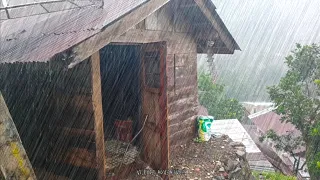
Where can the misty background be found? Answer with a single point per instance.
(266, 31)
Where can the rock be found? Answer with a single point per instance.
(241, 153)
(236, 144)
(231, 165)
(241, 148)
(224, 136)
(225, 175)
(177, 167)
(218, 178)
(222, 147)
(218, 163)
(234, 172)
(221, 169)
(197, 169)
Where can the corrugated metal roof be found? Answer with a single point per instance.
(25, 8)
(234, 129)
(38, 38)
(264, 111)
(267, 120)
(50, 34)
(36, 30)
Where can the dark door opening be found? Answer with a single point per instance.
(134, 88)
(121, 94)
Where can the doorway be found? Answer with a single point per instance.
(133, 84)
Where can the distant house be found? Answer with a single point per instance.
(254, 107)
(265, 120)
(69, 69)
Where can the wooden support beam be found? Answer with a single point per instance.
(98, 115)
(14, 162)
(212, 19)
(147, 36)
(101, 39)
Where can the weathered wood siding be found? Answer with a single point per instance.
(182, 91)
(48, 103)
(14, 162)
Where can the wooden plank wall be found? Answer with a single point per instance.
(14, 163)
(182, 91)
(49, 106)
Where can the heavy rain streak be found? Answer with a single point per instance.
(159, 89)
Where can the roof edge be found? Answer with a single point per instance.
(223, 29)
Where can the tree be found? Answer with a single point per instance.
(289, 143)
(212, 96)
(297, 98)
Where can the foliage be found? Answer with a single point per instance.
(297, 98)
(272, 176)
(212, 96)
(314, 165)
(289, 143)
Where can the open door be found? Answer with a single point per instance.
(154, 106)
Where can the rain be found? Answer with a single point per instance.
(159, 89)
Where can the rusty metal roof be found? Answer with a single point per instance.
(36, 30)
(23, 8)
(271, 120)
(38, 37)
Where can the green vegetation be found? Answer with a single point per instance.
(297, 100)
(212, 96)
(288, 143)
(273, 176)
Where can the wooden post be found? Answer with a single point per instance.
(14, 162)
(98, 115)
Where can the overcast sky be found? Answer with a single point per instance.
(266, 31)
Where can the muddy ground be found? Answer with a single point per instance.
(217, 159)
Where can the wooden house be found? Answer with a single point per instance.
(69, 70)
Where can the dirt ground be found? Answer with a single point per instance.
(203, 160)
(215, 160)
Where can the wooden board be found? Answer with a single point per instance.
(209, 15)
(98, 115)
(154, 99)
(101, 39)
(14, 162)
